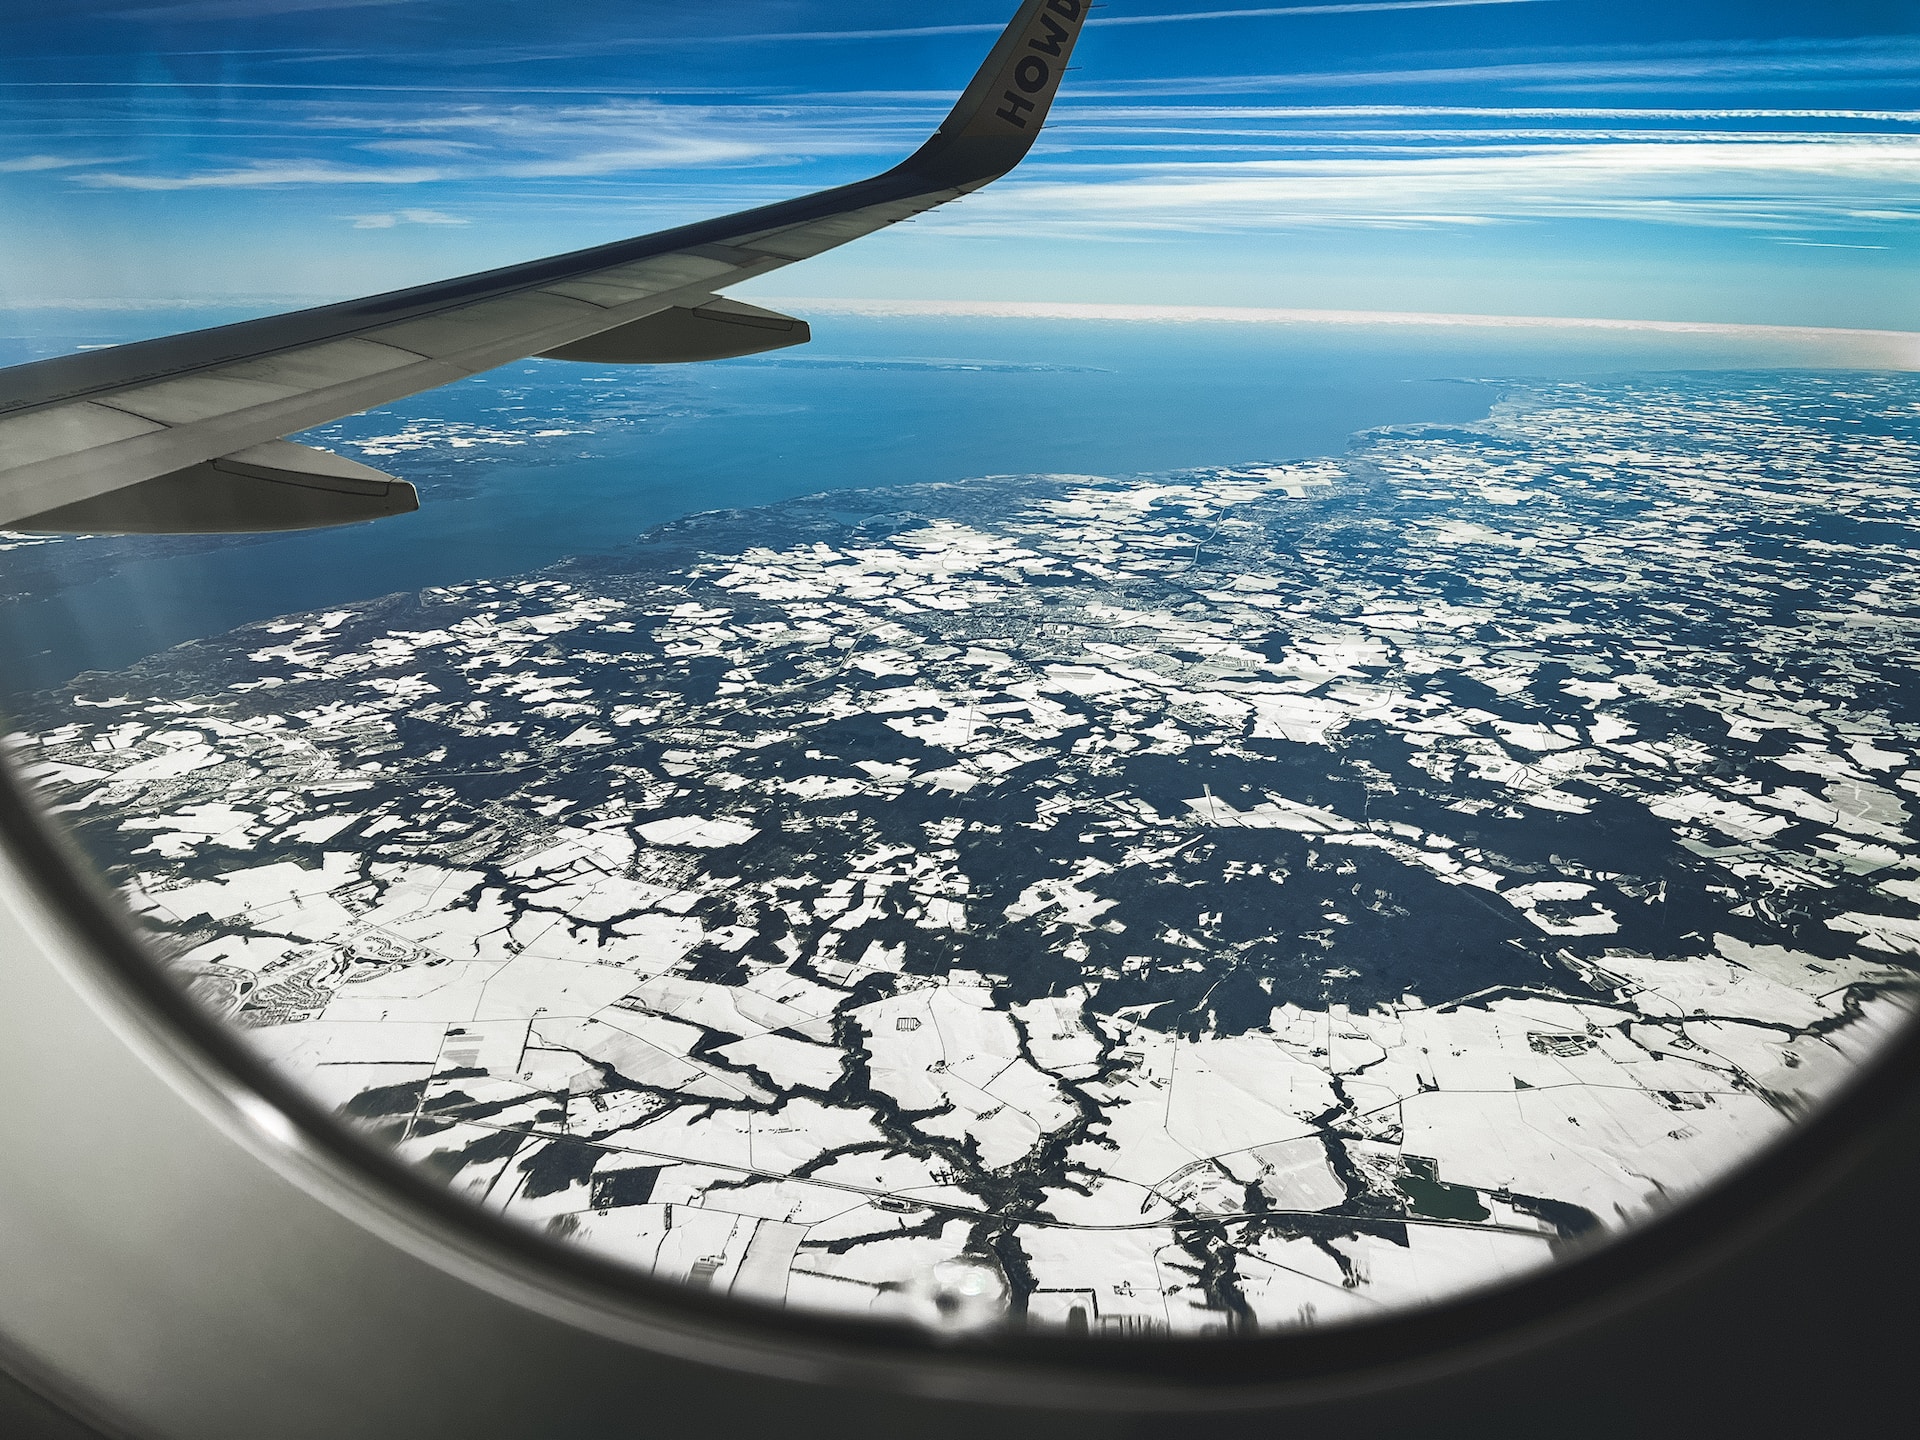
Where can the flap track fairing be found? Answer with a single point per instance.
(275, 486)
(715, 330)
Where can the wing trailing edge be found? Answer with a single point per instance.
(190, 415)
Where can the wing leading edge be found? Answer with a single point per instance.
(186, 432)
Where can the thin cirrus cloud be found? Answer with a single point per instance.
(1839, 63)
(392, 218)
(529, 142)
(1499, 112)
(31, 164)
(241, 9)
(1125, 165)
(1717, 182)
(672, 130)
(265, 174)
(1112, 175)
(1823, 244)
(428, 149)
(1258, 12)
(1278, 11)
(191, 10)
(532, 148)
(686, 154)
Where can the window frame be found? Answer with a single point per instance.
(1035, 1367)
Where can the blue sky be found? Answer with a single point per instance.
(1736, 162)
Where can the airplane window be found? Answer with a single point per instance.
(1167, 751)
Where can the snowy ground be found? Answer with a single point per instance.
(1240, 898)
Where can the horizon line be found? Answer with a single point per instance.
(1902, 347)
(1275, 315)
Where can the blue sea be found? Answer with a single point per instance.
(543, 460)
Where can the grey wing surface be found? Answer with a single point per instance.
(187, 433)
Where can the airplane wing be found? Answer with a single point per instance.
(186, 433)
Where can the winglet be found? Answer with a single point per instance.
(1000, 113)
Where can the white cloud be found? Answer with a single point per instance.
(430, 149)
(675, 134)
(685, 154)
(1112, 112)
(994, 27)
(388, 219)
(1276, 11)
(466, 143)
(266, 174)
(27, 164)
(1691, 65)
(242, 9)
(1764, 182)
(1826, 245)
(257, 303)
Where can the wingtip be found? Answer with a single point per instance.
(1003, 109)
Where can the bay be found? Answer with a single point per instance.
(541, 460)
